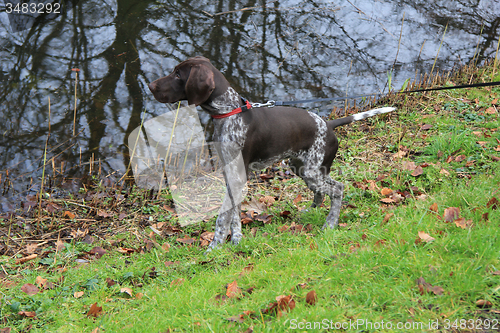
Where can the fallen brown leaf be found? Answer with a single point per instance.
(399, 154)
(297, 199)
(42, 283)
(444, 172)
(387, 217)
(170, 263)
(388, 200)
(311, 298)
(434, 208)
(481, 303)
(127, 291)
(241, 318)
(247, 269)
(386, 191)
(283, 303)
(245, 220)
(265, 218)
(424, 287)
(425, 237)
(409, 165)
(30, 248)
(267, 200)
(97, 251)
(491, 110)
(233, 290)
(30, 289)
(103, 213)
(94, 311)
(462, 223)
(493, 203)
(186, 240)
(482, 143)
(27, 314)
(255, 205)
(417, 172)
(283, 228)
(372, 185)
(125, 250)
(451, 214)
(69, 214)
(166, 247)
(110, 282)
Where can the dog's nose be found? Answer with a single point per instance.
(152, 86)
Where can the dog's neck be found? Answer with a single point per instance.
(224, 103)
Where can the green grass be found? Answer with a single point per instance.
(363, 272)
(366, 271)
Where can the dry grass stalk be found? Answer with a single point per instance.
(43, 174)
(74, 113)
(495, 61)
(168, 150)
(439, 48)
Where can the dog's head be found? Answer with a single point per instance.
(193, 80)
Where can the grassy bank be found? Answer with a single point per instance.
(418, 247)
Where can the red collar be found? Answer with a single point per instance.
(243, 108)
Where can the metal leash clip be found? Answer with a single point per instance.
(269, 104)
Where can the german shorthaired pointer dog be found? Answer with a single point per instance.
(262, 135)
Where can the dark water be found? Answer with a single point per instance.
(283, 50)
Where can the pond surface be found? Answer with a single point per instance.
(105, 53)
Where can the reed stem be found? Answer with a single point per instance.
(43, 176)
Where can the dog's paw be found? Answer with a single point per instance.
(332, 224)
(236, 238)
(213, 245)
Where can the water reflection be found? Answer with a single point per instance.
(283, 50)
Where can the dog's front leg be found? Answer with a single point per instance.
(229, 214)
(222, 226)
(237, 179)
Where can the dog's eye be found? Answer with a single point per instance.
(177, 75)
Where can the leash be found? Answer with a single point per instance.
(272, 103)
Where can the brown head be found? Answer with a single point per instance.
(195, 80)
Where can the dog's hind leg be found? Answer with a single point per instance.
(318, 199)
(297, 166)
(322, 184)
(335, 192)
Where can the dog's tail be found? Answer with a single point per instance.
(358, 116)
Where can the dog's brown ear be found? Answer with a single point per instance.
(200, 84)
